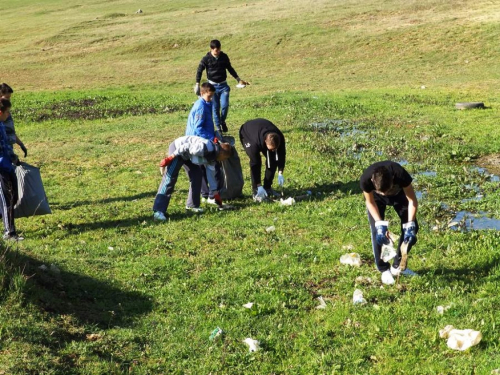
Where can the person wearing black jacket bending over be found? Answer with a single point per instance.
(262, 136)
(216, 63)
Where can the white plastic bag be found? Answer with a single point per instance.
(460, 339)
(352, 259)
(357, 297)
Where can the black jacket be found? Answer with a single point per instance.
(216, 68)
(252, 136)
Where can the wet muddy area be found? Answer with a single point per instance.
(95, 108)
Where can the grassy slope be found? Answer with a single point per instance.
(151, 294)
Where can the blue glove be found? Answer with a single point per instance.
(261, 192)
(381, 227)
(410, 235)
(281, 179)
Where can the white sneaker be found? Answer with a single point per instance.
(387, 278)
(211, 201)
(197, 210)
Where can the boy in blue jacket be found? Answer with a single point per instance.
(8, 180)
(200, 123)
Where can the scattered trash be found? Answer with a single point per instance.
(287, 202)
(139, 11)
(364, 280)
(495, 372)
(460, 339)
(248, 305)
(442, 309)
(270, 229)
(388, 251)
(469, 105)
(241, 85)
(43, 267)
(352, 259)
(216, 333)
(111, 248)
(357, 297)
(347, 247)
(322, 303)
(253, 345)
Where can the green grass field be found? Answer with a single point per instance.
(100, 92)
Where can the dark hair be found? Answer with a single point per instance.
(382, 179)
(214, 44)
(273, 140)
(5, 89)
(207, 87)
(4, 104)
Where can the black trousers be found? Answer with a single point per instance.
(400, 204)
(8, 199)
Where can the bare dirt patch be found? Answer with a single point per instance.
(491, 163)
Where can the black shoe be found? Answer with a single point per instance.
(224, 127)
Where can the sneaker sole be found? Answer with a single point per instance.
(404, 256)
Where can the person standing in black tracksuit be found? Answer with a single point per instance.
(262, 136)
(216, 63)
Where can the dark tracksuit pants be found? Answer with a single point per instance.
(205, 190)
(8, 199)
(271, 166)
(400, 204)
(169, 180)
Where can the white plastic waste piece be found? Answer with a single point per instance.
(253, 345)
(495, 371)
(287, 202)
(352, 259)
(240, 85)
(442, 309)
(322, 303)
(388, 251)
(460, 339)
(357, 297)
(270, 229)
(248, 305)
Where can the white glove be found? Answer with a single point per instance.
(196, 89)
(261, 192)
(281, 179)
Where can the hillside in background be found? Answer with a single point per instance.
(277, 45)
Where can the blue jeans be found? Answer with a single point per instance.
(220, 103)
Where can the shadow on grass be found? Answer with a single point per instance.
(73, 308)
(91, 301)
(69, 206)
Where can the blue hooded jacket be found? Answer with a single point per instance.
(200, 121)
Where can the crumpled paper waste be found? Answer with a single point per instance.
(253, 345)
(352, 259)
(357, 297)
(287, 202)
(248, 305)
(442, 309)
(322, 303)
(460, 339)
(388, 251)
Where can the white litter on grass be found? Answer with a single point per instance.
(322, 303)
(241, 85)
(43, 267)
(111, 248)
(495, 372)
(442, 309)
(388, 251)
(347, 247)
(460, 339)
(287, 202)
(352, 259)
(357, 297)
(253, 345)
(270, 229)
(248, 305)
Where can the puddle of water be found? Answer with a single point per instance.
(484, 171)
(402, 162)
(334, 125)
(428, 173)
(420, 194)
(351, 133)
(475, 221)
(473, 187)
(477, 198)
